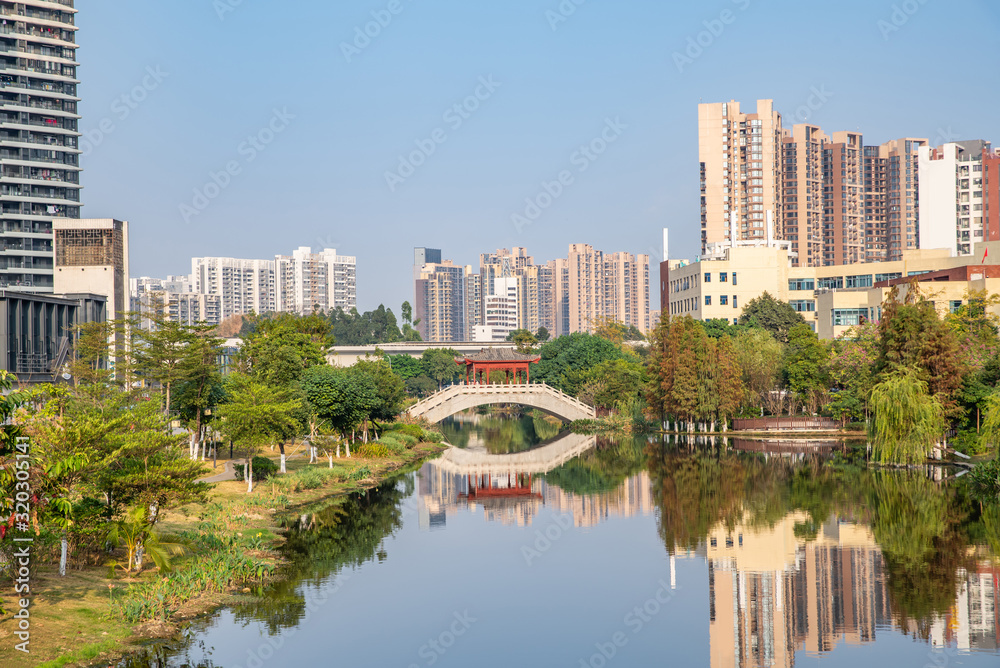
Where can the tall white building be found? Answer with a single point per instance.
(952, 195)
(307, 281)
(39, 137)
(244, 286)
(500, 311)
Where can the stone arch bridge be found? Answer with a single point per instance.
(458, 398)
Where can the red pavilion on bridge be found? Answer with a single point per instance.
(493, 361)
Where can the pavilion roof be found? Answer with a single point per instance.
(499, 355)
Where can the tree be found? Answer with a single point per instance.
(912, 335)
(257, 414)
(160, 353)
(199, 383)
(439, 364)
(908, 421)
(773, 315)
(760, 357)
(807, 366)
(732, 391)
(282, 346)
(678, 364)
(542, 334)
(342, 398)
(565, 361)
(369, 328)
(614, 381)
(389, 388)
(853, 358)
(524, 340)
(406, 366)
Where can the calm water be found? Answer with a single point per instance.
(585, 552)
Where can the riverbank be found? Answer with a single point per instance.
(232, 542)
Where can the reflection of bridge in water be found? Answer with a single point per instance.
(512, 490)
(538, 460)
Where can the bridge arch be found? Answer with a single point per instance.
(458, 398)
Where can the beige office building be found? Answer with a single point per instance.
(832, 299)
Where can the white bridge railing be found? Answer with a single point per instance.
(501, 393)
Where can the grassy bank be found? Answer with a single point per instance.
(231, 551)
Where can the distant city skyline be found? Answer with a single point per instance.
(271, 156)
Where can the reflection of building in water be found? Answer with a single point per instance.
(772, 593)
(515, 499)
(974, 620)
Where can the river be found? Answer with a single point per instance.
(527, 548)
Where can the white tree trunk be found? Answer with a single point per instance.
(330, 457)
(283, 464)
(63, 555)
(249, 472)
(347, 446)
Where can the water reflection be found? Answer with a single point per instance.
(804, 553)
(498, 434)
(794, 550)
(588, 477)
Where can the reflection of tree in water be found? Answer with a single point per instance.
(321, 545)
(924, 528)
(502, 435)
(602, 469)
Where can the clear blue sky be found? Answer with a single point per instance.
(321, 179)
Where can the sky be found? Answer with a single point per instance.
(246, 128)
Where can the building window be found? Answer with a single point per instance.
(955, 305)
(708, 300)
(708, 277)
(849, 317)
(803, 305)
(832, 283)
(734, 302)
(861, 281)
(801, 284)
(888, 277)
(723, 276)
(734, 278)
(724, 300)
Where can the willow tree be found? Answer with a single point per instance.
(907, 422)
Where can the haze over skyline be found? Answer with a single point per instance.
(300, 131)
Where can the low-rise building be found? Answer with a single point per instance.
(831, 299)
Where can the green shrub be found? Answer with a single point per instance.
(375, 450)
(414, 430)
(263, 468)
(361, 473)
(970, 443)
(433, 437)
(985, 480)
(308, 478)
(408, 439)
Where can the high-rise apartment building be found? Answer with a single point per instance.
(834, 199)
(500, 312)
(40, 174)
(843, 199)
(626, 289)
(306, 282)
(954, 191)
(802, 182)
(740, 156)
(598, 286)
(892, 212)
(441, 305)
(242, 286)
